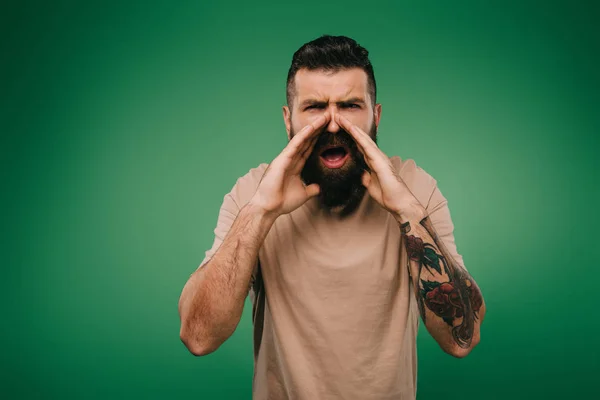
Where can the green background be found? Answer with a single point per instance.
(123, 126)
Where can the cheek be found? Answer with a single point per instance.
(298, 123)
(294, 125)
(362, 118)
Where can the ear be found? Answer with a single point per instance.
(287, 119)
(377, 114)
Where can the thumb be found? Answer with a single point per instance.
(366, 179)
(312, 190)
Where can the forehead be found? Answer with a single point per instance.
(329, 85)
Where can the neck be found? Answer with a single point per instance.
(345, 210)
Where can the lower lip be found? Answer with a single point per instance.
(335, 164)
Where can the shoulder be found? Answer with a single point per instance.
(419, 181)
(246, 185)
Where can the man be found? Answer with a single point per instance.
(340, 247)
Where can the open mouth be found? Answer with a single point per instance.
(334, 156)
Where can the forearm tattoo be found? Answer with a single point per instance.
(445, 287)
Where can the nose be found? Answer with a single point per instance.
(332, 126)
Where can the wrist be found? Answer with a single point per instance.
(414, 213)
(254, 208)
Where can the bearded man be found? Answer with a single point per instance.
(340, 248)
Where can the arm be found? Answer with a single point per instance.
(212, 300)
(450, 302)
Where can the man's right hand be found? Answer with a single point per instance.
(281, 189)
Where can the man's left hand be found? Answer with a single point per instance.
(383, 182)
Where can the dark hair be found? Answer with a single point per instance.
(331, 53)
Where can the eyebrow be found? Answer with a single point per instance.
(356, 100)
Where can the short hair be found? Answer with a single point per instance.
(331, 53)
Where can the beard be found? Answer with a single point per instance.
(339, 187)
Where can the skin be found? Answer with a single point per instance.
(342, 92)
(211, 303)
(332, 89)
(450, 301)
(281, 189)
(212, 300)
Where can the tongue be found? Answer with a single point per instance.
(333, 156)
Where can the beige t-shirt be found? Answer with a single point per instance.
(334, 310)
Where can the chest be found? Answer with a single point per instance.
(346, 262)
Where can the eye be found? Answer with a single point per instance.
(314, 106)
(350, 105)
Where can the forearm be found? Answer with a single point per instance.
(450, 302)
(212, 300)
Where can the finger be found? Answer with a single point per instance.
(299, 162)
(302, 154)
(309, 149)
(373, 155)
(366, 179)
(312, 137)
(312, 190)
(298, 143)
(357, 133)
(295, 145)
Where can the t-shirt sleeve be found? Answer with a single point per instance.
(424, 187)
(439, 215)
(233, 202)
(227, 214)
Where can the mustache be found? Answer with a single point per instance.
(339, 138)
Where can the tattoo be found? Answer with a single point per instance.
(457, 298)
(405, 228)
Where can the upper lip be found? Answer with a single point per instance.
(333, 146)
